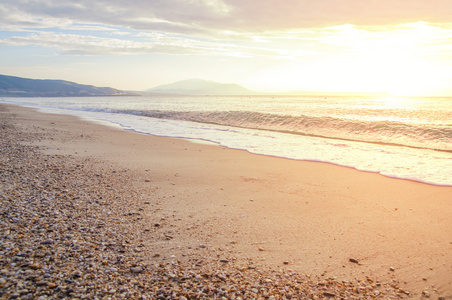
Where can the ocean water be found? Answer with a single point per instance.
(409, 138)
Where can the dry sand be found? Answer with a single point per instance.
(297, 216)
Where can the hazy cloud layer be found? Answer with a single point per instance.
(75, 44)
(242, 28)
(219, 16)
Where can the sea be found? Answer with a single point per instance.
(401, 137)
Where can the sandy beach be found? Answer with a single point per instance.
(179, 209)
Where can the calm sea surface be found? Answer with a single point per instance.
(408, 138)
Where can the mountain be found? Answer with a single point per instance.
(11, 86)
(200, 87)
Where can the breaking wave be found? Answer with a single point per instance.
(428, 136)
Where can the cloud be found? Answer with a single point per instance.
(15, 19)
(419, 37)
(143, 43)
(73, 44)
(254, 28)
(170, 16)
(293, 14)
(213, 17)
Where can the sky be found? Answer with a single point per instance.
(402, 47)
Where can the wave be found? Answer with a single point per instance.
(429, 136)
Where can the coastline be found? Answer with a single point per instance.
(351, 144)
(306, 217)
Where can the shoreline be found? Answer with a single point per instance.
(425, 166)
(306, 217)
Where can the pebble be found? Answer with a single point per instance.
(136, 269)
(66, 234)
(354, 260)
(329, 294)
(426, 294)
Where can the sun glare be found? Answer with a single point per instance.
(403, 61)
(394, 71)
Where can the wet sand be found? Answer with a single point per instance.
(208, 202)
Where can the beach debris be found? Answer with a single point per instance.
(391, 269)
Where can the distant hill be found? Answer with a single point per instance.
(200, 87)
(206, 87)
(11, 86)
